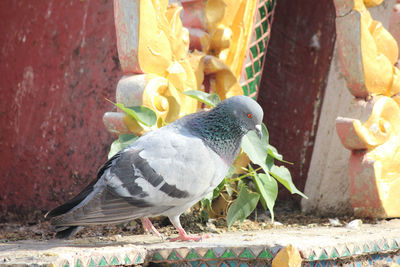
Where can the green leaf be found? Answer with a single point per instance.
(242, 207)
(206, 201)
(209, 99)
(140, 113)
(269, 161)
(256, 148)
(282, 174)
(123, 141)
(268, 189)
(274, 153)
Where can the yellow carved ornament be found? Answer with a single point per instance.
(379, 53)
(163, 54)
(381, 135)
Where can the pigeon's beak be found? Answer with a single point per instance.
(259, 131)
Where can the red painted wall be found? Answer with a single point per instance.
(58, 64)
(294, 79)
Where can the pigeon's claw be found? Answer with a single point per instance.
(149, 227)
(183, 236)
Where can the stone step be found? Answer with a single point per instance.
(366, 245)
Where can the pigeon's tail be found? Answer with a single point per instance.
(83, 196)
(67, 232)
(69, 205)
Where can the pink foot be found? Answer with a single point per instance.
(149, 227)
(183, 236)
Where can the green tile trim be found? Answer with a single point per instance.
(394, 245)
(264, 25)
(210, 255)
(261, 46)
(323, 255)
(312, 256)
(262, 11)
(103, 262)
(249, 72)
(192, 255)
(385, 246)
(157, 257)
(366, 249)
(245, 90)
(375, 248)
(172, 256)
(269, 5)
(127, 260)
(138, 259)
(258, 32)
(252, 87)
(228, 254)
(265, 255)
(92, 263)
(78, 263)
(346, 253)
(247, 254)
(257, 66)
(335, 253)
(254, 51)
(114, 261)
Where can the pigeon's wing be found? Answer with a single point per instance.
(174, 168)
(163, 172)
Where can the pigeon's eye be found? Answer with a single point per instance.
(250, 115)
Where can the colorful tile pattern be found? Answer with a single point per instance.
(134, 259)
(216, 257)
(253, 65)
(380, 251)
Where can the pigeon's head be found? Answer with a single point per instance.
(246, 111)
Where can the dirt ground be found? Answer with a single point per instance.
(286, 216)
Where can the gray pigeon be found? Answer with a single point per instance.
(165, 171)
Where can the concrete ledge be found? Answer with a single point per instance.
(367, 245)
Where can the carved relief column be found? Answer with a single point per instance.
(217, 47)
(368, 54)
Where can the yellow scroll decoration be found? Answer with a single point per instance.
(379, 53)
(381, 136)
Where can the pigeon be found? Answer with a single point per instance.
(164, 172)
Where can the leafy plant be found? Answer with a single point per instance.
(265, 189)
(246, 190)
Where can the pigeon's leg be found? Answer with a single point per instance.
(183, 236)
(148, 226)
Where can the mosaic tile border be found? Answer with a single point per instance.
(218, 256)
(380, 259)
(347, 255)
(253, 65)
(213, 254)
(114, 260)
(351, 250)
